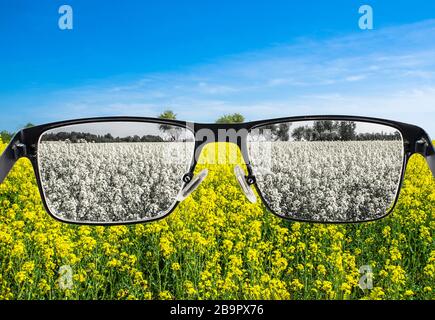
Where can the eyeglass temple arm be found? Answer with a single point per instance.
(427, 150)
(11, 154)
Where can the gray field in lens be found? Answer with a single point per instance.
(109, 182)
(336, 181)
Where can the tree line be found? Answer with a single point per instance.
(170, 133)
(329, 130)
(321, 130)
(81, 137)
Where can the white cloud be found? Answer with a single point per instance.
(356, 78)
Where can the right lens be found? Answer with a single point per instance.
(105, 172)
(327, 170)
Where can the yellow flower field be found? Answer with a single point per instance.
(216, 245)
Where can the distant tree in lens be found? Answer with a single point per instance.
(279, 132)
(326, 130)
(231, 118)
(282, 131)
(29, 125)
(82, 137)
(309, 134)
(298, 133)
(383, 136)
(108, 137)
(172, 131)
(136, 138)
(347, 130)
(331, 130)
(318, 129)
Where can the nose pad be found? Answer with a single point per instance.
(192, 185)
(240, 175)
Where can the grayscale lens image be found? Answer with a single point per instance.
(113, 171)
(327, 171)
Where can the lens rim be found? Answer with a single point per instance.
(405, 159)
(164, 214)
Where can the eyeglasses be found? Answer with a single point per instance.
(119, 170)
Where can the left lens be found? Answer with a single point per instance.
(106, 172)
(327, 170)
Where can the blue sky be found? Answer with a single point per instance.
(206, 58)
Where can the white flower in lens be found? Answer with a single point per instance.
(112, 181)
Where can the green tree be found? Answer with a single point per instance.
(168, 114)
(5, 136)
(231, 118)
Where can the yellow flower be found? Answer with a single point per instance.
(18, 250)
(397, 274)
(377, 293)
(297, 285)
(252, 255)
(386, 232)
(114, 263)
(166, 247)
(425, 234)
(227, 244)
(321, 269)
(409, 293)
(122, 294)
(383, 273)
(395, 254)
(28, 266)
(21, 276)
(175, 266)
(190, 289)
(346, 288)
(300, 247)
(165, 295)
(44, 286)
(429, 270)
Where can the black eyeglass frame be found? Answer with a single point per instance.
(25, 144)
